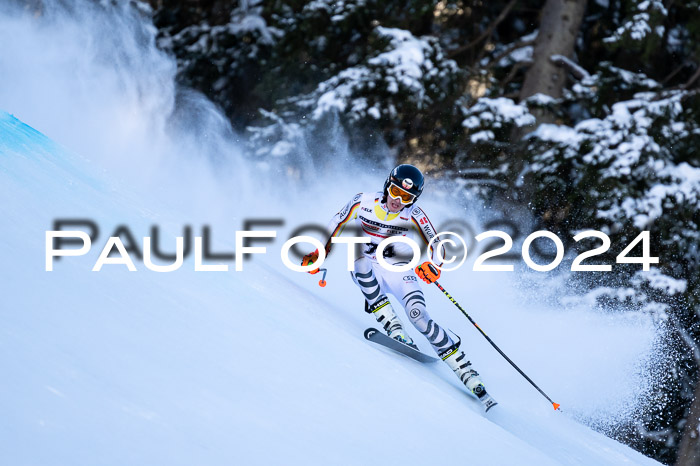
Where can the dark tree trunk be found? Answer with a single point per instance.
(689, 450)
(559, 27)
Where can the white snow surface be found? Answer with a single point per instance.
(260, 366)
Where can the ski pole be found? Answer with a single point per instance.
(555, 405)
(322, 282)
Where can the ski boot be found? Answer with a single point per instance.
(456, 359)
(393, 327)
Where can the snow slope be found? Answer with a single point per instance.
(263, 366)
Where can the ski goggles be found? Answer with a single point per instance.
(396, 192)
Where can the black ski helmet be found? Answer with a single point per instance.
(406, 177)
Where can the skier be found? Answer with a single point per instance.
(393, 212)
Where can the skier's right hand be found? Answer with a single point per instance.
(309, 259)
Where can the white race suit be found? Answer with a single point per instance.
(373, 219)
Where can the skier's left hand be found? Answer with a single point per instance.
(309, 259)
(428, 272)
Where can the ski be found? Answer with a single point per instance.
(380, 338)
(375, 336)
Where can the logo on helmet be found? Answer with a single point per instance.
(407, 183)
